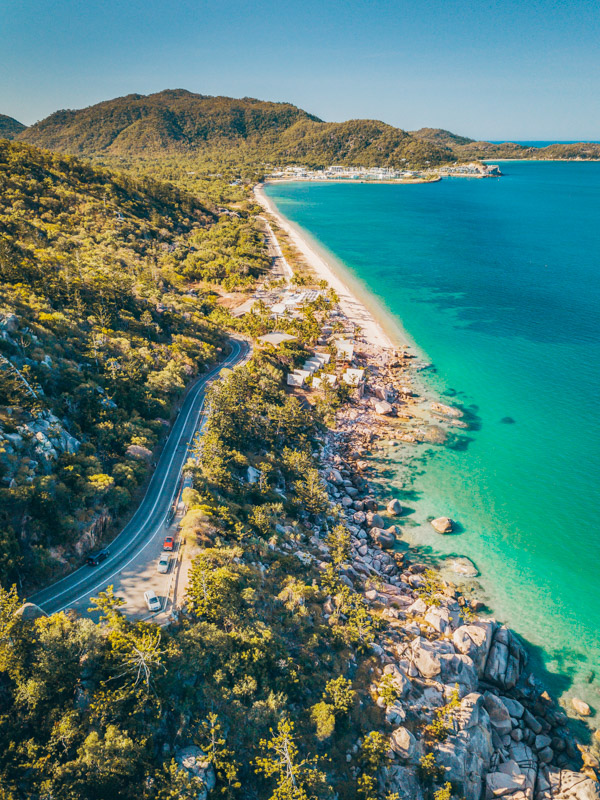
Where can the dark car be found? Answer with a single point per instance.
(169, 543)
(96, 558)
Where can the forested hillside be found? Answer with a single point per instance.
(266, 671)
(104, 318)
(199, 133)
(9, 127)
(181, 123)
(173, 120)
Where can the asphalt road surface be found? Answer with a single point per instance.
(133, 555)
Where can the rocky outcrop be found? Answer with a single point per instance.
(139, 452)
(195, 762)
(94, 534)
(42, 438)
(566, 785)
(505, 660)
(475, 641)
(467, 753)
(506, 738)
(401, 781)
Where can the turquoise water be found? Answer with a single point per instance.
(498, 281)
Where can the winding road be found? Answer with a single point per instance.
(131, 563)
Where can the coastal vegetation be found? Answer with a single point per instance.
(9, 127)
(207, 133)
(309, 659)
(181, 135)
(105, 317)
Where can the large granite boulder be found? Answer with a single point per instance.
(506, 659)
(385, 539)
(498, 713)
(445, 616)
(402, 781)
(425, 655)
(475, 641)
(458, 669)
(375, 520)
(467, 753)
(580, 707)
(563, 784)
(403, 743)
(394, 508)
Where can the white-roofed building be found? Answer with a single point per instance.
(353, 377)
(344, 349)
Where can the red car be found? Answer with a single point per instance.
(169, 543)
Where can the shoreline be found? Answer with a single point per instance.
(357, 307)
(383, 428)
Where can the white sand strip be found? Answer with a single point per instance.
(353, 309)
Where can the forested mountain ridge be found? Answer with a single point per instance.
(180, 122)
(100, 330)
(226, 135)
(9, 127)
(169, 121)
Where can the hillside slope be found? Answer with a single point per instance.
(178, 122)
(99, 333)
(10, 127)
(168, 121)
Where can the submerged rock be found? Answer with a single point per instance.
(442, 525)
(463, 566)
(580, 707)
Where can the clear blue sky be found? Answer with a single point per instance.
(520, 69)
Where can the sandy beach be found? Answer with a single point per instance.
(355, 311)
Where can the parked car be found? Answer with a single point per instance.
(169, 543)
(152, 600)
(163, 563)
(95, 558)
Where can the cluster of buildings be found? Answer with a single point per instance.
(343, 173)
(291, 301)
(475, 170)
(314, 372)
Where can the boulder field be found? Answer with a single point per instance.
(502, 734)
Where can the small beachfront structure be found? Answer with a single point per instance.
(344, 349)
(276, 339)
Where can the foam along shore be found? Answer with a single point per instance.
(354, 310)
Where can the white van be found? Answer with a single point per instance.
(152, 600)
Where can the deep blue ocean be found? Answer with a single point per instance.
(497, 281)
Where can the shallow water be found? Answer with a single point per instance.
(498, 281)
